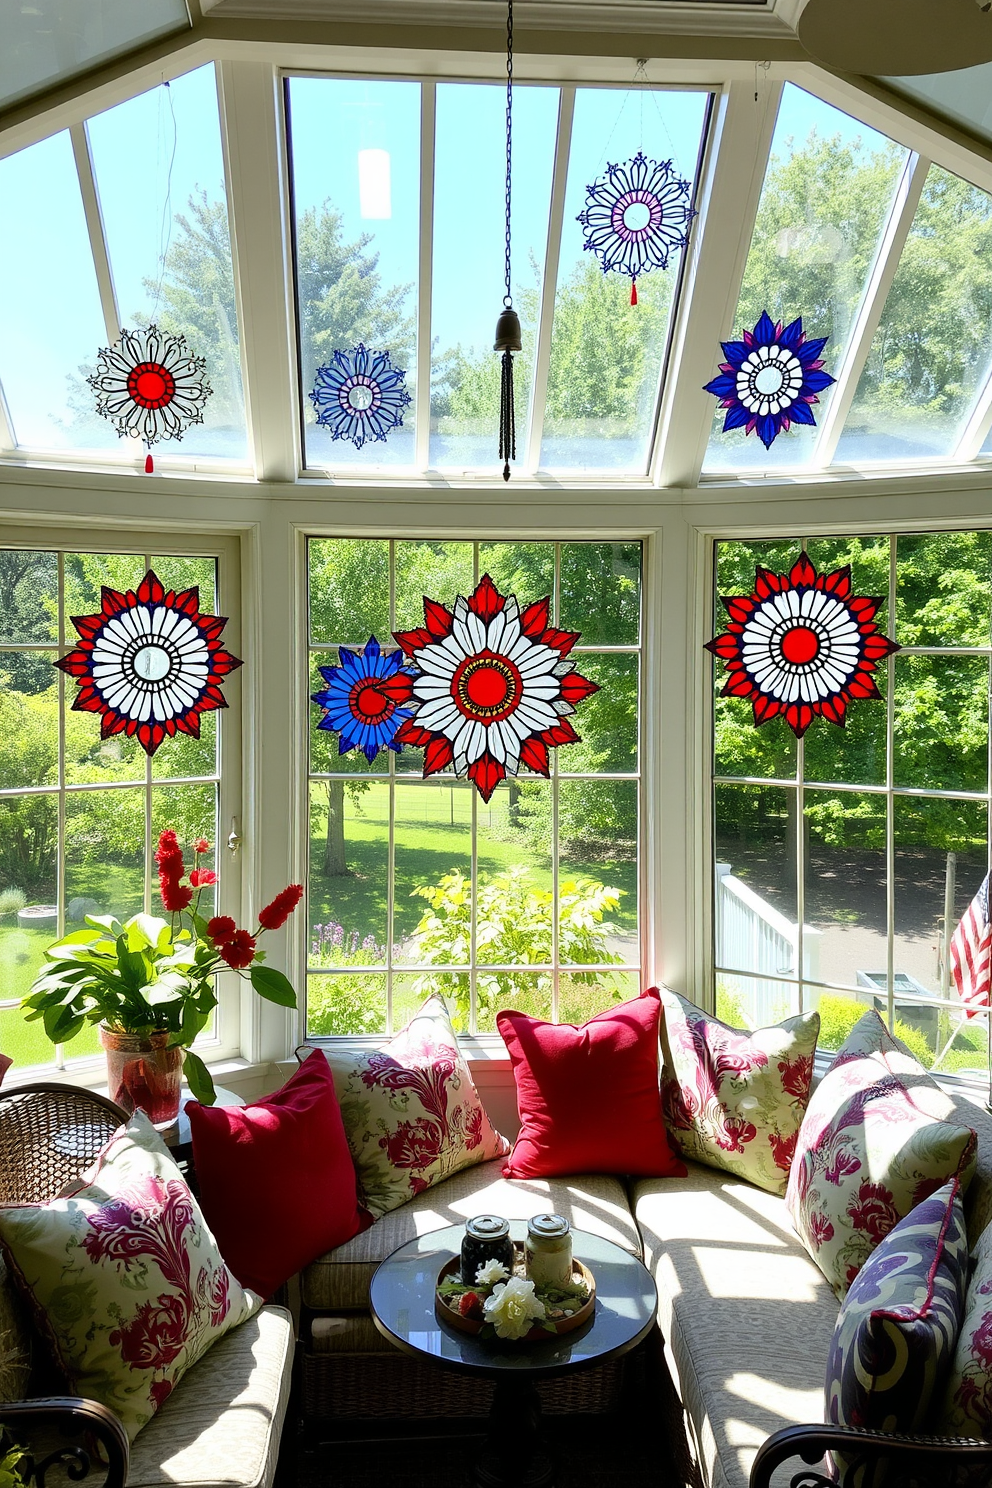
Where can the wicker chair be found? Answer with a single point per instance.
(49, 1134)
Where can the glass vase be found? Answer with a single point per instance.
(144, 1074)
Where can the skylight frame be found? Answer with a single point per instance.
(256, 70)
(129, 453)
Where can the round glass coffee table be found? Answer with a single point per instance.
(402, 1304)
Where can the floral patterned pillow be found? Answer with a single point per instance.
(735, 1100)
(894, 1340)
(125, 1279)
(868, 1152)
(411, 1112)
(967, 1404)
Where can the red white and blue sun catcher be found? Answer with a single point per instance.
(494, 687)
(636, 217)
(366, 699)
(801, 645)
(149, 663)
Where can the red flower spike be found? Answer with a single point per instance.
(149, 662)
(275, 915)
(492, 688)
(800, 645)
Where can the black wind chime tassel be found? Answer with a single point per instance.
(508, 338)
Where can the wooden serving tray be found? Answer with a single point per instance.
(538, 1333)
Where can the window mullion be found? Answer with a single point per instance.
(731, 182)
(425, 288)
(7, 440)
(60, 808)
(549, 288)
(890, 803)
(94, 227)
(252, 137)
(978, 427)
(904, 205)
(391, 844)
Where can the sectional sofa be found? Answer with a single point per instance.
(744, 1326)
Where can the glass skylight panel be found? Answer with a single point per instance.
(51, 323)
(355, 151)
(160, 178)
(51, 40)
(469, 183)
(930, 355)
(825, 202)
(606, 354)
(964, 95)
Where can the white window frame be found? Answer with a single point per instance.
(384, 772)
(225, 1043)
(830, 514)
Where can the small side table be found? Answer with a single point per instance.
(402, 1303)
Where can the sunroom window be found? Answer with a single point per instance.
(399, 239)
(845, 860)
(121, 221)
(530, 900)
(79, 816)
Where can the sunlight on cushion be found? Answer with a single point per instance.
(728, 1273)
(797, 1406)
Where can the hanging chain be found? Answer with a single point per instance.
(508, 297)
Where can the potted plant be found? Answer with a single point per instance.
(149, 984)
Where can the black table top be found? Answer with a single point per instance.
(402, 1302)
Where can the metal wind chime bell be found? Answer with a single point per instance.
(508, 337)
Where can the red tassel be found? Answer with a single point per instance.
(149, 464)
(633, 291)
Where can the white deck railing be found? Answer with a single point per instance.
(751, 935)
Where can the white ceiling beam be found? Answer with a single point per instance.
(549, 288)
(897, 229)
(425, 291)
(254, 151)
(733, 175)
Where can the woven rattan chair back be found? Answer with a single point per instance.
(49, 1134)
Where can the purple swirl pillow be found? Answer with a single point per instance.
(893, 1346)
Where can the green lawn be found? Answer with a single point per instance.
(431, 838)
(21, 953)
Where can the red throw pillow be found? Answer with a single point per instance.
(5, 1063)
(588, 1097)
(277, 1184)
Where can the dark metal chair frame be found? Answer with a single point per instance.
(69, 1416)
(927, 1461)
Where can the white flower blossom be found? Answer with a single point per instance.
(491, 1273)
(513, 1308)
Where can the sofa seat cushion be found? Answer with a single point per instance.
(746, 1316)
(222, 1425)
(339, 1281)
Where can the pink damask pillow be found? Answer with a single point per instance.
(411, 1112)
(869, 1151)
(733, 1099)
(125, 1280)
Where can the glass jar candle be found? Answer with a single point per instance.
(548, 1250)
(487, 1238)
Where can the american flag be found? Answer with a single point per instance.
(971, 952)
